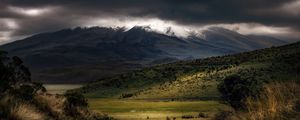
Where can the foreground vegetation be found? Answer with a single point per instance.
(22, 99)
(279, 100)
(276, 101)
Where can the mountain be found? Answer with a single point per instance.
(199, 78)
(85, 54)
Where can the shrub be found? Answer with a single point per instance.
(223, 115)
(24, 92)
(297, 106)
(168, 118)
(127, 95)
(74, 100)
(202, 115)
(4, 109)
(187, 117)
(39, 87)
(235, 90)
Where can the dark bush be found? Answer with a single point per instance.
(167, 118)
(202, 115)
(4, 110)
(187, 117)
(127, 95)
(24, 92)
(297, 106)
(235, 89)
(39, 87)
(75, 99)
(223, 115)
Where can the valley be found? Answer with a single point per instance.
(188, 87)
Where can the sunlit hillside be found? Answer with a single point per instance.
(197, 79)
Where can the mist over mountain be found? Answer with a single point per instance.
(85, 54)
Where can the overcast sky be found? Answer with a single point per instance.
(278, 18)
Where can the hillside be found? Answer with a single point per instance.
(78, 55)
(197, 79)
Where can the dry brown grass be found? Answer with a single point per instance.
(55, 102)
(25, 112)
(44, 107)
(18, 110)
(274, 102)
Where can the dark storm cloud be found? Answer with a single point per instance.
(188, 12)
(184, 11)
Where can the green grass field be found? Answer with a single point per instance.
(154, 109)
(126, 109)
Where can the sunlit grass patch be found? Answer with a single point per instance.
(135, 109)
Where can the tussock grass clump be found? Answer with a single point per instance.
(276, 101)
(12, 108)
(25, 112)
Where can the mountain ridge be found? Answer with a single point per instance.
(99, 50)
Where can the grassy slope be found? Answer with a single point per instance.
(198, 78)
(158, 110)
